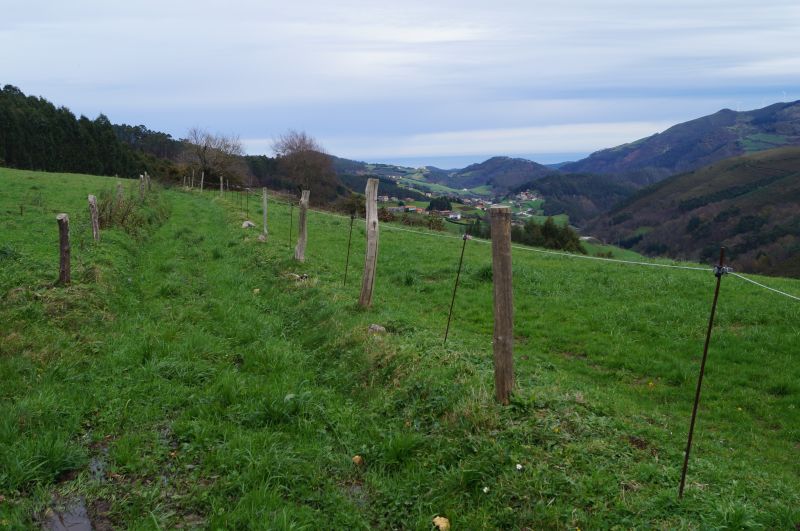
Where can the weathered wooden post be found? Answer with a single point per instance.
(64, 276)
(147, 181)
(95, 218)
(141, 186)
(264, 209)
(202, 178)
(371, 254)
(302, 236)
(192, 179)
(291, 219)
(221, 191)
(503, 303)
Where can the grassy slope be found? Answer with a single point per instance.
(216, 406)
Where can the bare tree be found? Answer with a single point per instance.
(303, 159)
(216, 155)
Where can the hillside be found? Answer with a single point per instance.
(581, 196)
(696, 143)
(501, 174)
(190, 378)
(748, 203)
(497, 175)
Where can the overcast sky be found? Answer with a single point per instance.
(419, 82)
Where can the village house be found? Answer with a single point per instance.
(527, 195)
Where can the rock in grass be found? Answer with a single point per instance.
(441, 523)
(376, 329)
(358, 460)
(247, 224)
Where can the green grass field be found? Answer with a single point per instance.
(188, 379)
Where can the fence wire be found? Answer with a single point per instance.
(779, 292)
(563, 254)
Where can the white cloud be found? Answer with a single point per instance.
(463, 66)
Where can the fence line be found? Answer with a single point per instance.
(568, 255)
(535, 250)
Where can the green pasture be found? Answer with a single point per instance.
(190, 376)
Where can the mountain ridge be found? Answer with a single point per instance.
(695, 143)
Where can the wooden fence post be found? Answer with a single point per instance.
(147, 181)
(202, 178)
(371, 254)
(141, 186)
(95, 218)
(503, 303)
(264, 208)
(192, 179)
(300, 248)
(64, 276)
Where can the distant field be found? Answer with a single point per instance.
(484, 190)
(189, 378)
(762, 141)
(594, 249)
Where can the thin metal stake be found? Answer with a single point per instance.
(349, 239)
(455, 286)
(718, 272)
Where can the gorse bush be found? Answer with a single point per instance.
(129, 212)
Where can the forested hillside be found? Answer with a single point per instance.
(580, 196)
(500, 173)
(748, 203)
(35, 134)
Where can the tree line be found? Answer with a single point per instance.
(35, 134)
(549, 234)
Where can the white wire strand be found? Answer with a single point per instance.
(570, 255)
(766, 287)
(532, 249)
